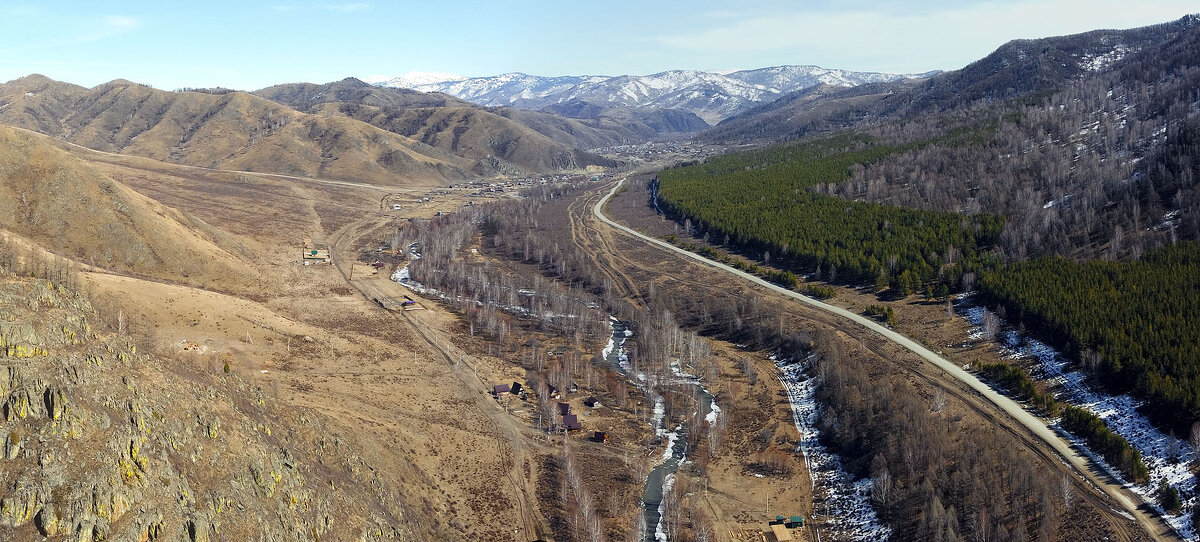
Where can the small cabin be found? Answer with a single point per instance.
(600, 436)
(571, 422)
(315, 254)
(500, 390)
(591, 402)
(790, 522)
(564, 409)
(516, 388)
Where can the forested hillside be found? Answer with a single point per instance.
(1095, 160)
(1132, 324)
(762, 202)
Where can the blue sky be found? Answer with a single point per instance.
(249, 45)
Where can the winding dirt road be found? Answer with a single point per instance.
(1131, 502)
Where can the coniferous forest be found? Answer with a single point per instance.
(1071, 206)
(1132, 324)
(762, 202)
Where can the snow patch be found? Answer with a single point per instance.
(849, 513)
(1166, 457)
(668, 483)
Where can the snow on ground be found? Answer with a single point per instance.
(608, 348)
(671, 438)
(712, 414)
(656, 419)
(404, 277)
(1166, 457)
(847, 508)
(668, 483)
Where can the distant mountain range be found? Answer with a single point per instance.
(711, 96)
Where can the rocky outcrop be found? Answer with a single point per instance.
(103, 441)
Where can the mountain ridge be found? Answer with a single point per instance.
(711, 96)
(1021, 67)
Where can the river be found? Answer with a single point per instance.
(662, 476)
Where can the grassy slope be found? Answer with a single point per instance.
(61, 203)
(234, 131)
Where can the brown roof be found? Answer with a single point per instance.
(571, 422)
(564, 409)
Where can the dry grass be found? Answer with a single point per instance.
(236, 131)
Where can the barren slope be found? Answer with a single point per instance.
(232, 131)
(102, 440)
(61, 203)
(496, 139)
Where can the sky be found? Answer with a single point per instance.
(248, 45)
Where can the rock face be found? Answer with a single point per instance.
(103, 441)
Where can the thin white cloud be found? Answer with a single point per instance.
(107, 27)
(121, 23)
(352, 7)
(721, 14)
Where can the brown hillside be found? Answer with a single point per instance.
(61, 203)
(498, 146)
(105, 441)
(229, 131)
(496, 140)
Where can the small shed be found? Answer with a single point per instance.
(600, 436)
(315, 254)
(500, 390)
(564, 409)
(516, 388)
(591, 402)
(571, 422)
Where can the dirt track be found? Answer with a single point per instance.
(1003, 410)
(510, 436)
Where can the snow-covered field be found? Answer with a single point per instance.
(1166, 457)
(847, 509)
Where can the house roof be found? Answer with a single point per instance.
(500, 388)
(564, 409)
(591, 401)
(571, 421)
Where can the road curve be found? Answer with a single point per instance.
(1128, 500)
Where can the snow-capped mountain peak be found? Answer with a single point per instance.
(413, 79)
(713, 96)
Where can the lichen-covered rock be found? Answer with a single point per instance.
(46, 521)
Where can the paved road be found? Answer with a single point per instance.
(1128, 500)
